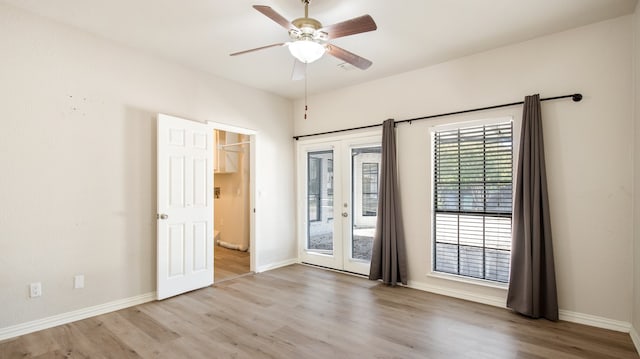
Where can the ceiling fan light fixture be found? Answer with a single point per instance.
(306, 51)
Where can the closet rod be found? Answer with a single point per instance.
(575, 97)
(235, 144)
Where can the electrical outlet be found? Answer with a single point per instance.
(35, 290)
(78, 281)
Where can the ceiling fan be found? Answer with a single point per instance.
(309, 39)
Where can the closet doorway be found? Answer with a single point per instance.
(233, 214)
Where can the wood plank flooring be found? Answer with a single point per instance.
(229, 263)
(306, 312)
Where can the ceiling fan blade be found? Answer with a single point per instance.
(354, 26)
(258, 48)
(346, 56)
(299, 70)
(273, 15)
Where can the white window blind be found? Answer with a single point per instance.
(473, 190)
(369, 189)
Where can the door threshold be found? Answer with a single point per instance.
(231, 278)
(336, 270)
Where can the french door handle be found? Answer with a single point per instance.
(345, 214)
(162, 216)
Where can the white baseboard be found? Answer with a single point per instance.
(594, 321)
(565, 315)
(460, 294)
(64, 318)
(276, 265)
(635, 338)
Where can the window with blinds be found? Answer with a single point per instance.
(473, 176)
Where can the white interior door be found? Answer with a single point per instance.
(185, 206)
(337, 191)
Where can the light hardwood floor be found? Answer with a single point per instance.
(305, 312)
(229, 263)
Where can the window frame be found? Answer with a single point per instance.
(376, 188)
(318, 196)
(432, 213)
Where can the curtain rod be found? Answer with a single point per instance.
(575, 97)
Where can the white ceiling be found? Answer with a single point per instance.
(411, 33)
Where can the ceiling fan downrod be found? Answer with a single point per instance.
(306, 27)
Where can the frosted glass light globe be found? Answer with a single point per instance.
(307, 51)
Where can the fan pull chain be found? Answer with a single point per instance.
(305, 91)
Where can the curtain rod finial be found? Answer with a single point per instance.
(576, 97)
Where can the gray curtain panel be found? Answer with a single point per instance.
(532, 285)
(389, 259)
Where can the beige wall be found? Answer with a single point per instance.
(636, 182)
(78, 155)
(588, 146)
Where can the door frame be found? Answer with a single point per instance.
(342, 171)
(253, 174)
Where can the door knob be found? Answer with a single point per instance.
(162, 216)
(345, 214)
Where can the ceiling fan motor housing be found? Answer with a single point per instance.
(307, 29)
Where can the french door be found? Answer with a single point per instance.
(338, 182)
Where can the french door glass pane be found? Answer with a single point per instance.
(320, 201)
(365, 180)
